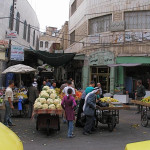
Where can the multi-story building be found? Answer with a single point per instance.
(25, 23)
(108, 34)
(48, 38)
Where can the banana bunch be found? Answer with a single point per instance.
(146, 100)
(108, 99)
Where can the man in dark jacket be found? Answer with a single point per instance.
(89, 110)
(140, 93)
(32, 96)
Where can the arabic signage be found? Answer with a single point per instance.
(17, 53)
(101, 58)
(11, 35)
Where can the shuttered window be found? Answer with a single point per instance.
(137, 20)
(100, 24)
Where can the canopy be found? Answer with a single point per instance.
(20, 68)
(55, 59)
(124, 65)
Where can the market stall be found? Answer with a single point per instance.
(145, 107)
(107, 112)
(20, 94)
(47, 109)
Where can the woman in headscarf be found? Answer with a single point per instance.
(89, 110)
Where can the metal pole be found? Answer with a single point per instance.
(12, 26)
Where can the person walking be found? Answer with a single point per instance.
(140, 93)
(68, 104)
(89, 110)
(32, 96)
(8, 104)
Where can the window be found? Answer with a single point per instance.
(41, 43)
(25, 30)
(73, 7)
(33, 37)
(137, 20)
(11, 17)
(46, 44)
(72, 37)
(100, 24)
(37, 43)
(17, 22)
(28, 40)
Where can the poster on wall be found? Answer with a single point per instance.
(17, 53)
(137, 36)
(128, 36)
(118, 38)
(146, 35)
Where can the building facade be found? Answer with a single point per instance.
(25, 23)
(107, 33)
(48, 38)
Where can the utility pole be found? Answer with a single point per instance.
(11, 27)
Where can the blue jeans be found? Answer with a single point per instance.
(7, 117)
(70, 128)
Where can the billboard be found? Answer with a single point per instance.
(17, 53)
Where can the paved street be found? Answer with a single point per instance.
(125, 132)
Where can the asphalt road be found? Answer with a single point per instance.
(127, 131)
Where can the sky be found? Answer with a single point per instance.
(52, 13)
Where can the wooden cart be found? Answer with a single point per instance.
(47, 119)
(145, 113)
(109, 115)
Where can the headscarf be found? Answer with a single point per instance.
(93, 92)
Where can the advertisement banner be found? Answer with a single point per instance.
(17, 53)
(11, 35)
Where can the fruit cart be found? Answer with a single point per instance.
(145, 113)
(47, 119)
(109, 115)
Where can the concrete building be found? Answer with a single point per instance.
(26, 25)
(48, 38)
(105, 32)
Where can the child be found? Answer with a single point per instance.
(68, 104)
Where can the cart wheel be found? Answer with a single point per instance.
(144, 120)
(37, 127)
(112, 124)
(48, 127)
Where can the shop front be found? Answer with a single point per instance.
(127, 76)
(96, 69)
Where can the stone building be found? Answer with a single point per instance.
(25, 23)
(48, 38)
(105, 34)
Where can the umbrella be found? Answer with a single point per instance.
(20, 68)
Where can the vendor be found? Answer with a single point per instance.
(140, 93)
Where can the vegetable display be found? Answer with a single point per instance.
(48, 99)
(146, 100)
(108, 99)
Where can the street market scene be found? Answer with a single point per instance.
(74, 74)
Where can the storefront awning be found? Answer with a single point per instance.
(124, 65)
(55, 59)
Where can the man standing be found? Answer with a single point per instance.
(8, 104)
(89, 110)
(48, 83)
(140, 93)
(100, 88)
(69, 86)
(53, 85)
(32, 96)
(90, 87)
(44, 84)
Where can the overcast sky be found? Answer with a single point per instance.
(51, 12)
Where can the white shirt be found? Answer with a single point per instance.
(8, 93)
(65, 90)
